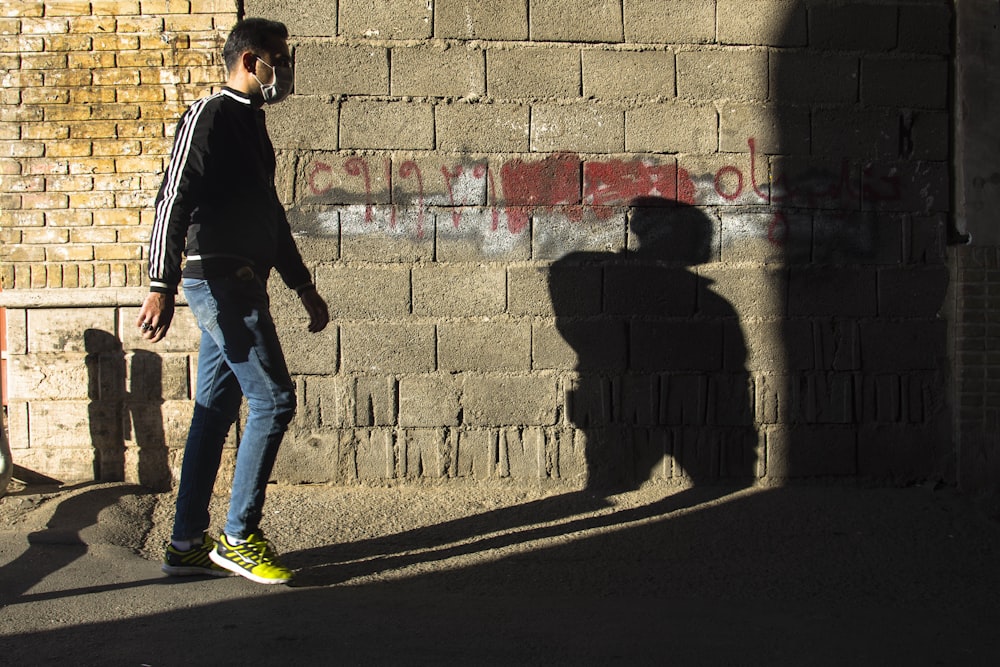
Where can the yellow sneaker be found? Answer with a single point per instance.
(253, 559)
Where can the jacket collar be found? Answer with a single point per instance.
(243, 98)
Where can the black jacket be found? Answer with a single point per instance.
(218, 204)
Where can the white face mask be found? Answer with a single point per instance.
(280, 86)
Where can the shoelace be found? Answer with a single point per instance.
(263, 547)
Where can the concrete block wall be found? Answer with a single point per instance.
(579, 242)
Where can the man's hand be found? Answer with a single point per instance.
(314, 304)
(155, 315)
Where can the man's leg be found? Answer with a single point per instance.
(244, 332)
(217, 403)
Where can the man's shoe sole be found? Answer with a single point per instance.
(193, 571)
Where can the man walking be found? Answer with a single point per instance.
(219, 207)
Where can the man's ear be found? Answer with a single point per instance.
(249, 61)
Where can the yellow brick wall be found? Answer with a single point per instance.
(90, 93)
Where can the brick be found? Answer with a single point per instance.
(67, 465)
(375, 454)
(44, 200)
(365, 292)
(918, 187)
(492, 400)
(92, 60)
(558, 237)
(852, 238)
(676, 22)
(521, 454)
(385, 19)
(908, 83)
(315, 458)
(44, 235)
(924, 240)
(44, 131)
(709, 75)
(774, 129)
(141, 59)
(672, 345)
(22, 149)
(327, 178)
(900, 346)
(116, 77)
(164, 7)
(628, 74)
(581, 344)
(23, 45)
(550, 350)
(855, 133)
(386, 125)
(436, 72)
(48, 377)
(762, 23)
(743, 291)
(671, 128)
(18, 8)
(43, 26)
(816, 183)
(476, 455)
(22, 218)
(428, 401)
(386, 234)
(115, 7)
(439, 181)
(535, 72)
(666, 291)
(479, 234)
(900, 454)
(117, 43)
(375, 401)
(446, 290)
(23, 184)
(584, 21)
(333, 69)
(289, 130)
(726, 179)
(92, 200)
(117, 251)
(70, 218)
(535, 290)
(766, 237)
(831, 291)
(853, 27)
(496, 345)
(429, 453)
(388, 347)
(465, 19)
(925, 29)
(583, 128)
(301, 20)
(68, 42)
(806, 451)
(926, 136)
(489, 128)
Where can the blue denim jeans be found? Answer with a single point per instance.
(240, 355)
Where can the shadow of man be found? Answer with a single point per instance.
(660, 378)
(661, 391)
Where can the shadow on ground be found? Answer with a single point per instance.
(791, 576)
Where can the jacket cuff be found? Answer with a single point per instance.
(162, 288)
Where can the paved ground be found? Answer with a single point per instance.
(811, 575)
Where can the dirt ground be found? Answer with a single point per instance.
(814, 574)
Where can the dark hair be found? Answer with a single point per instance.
(251, 35)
